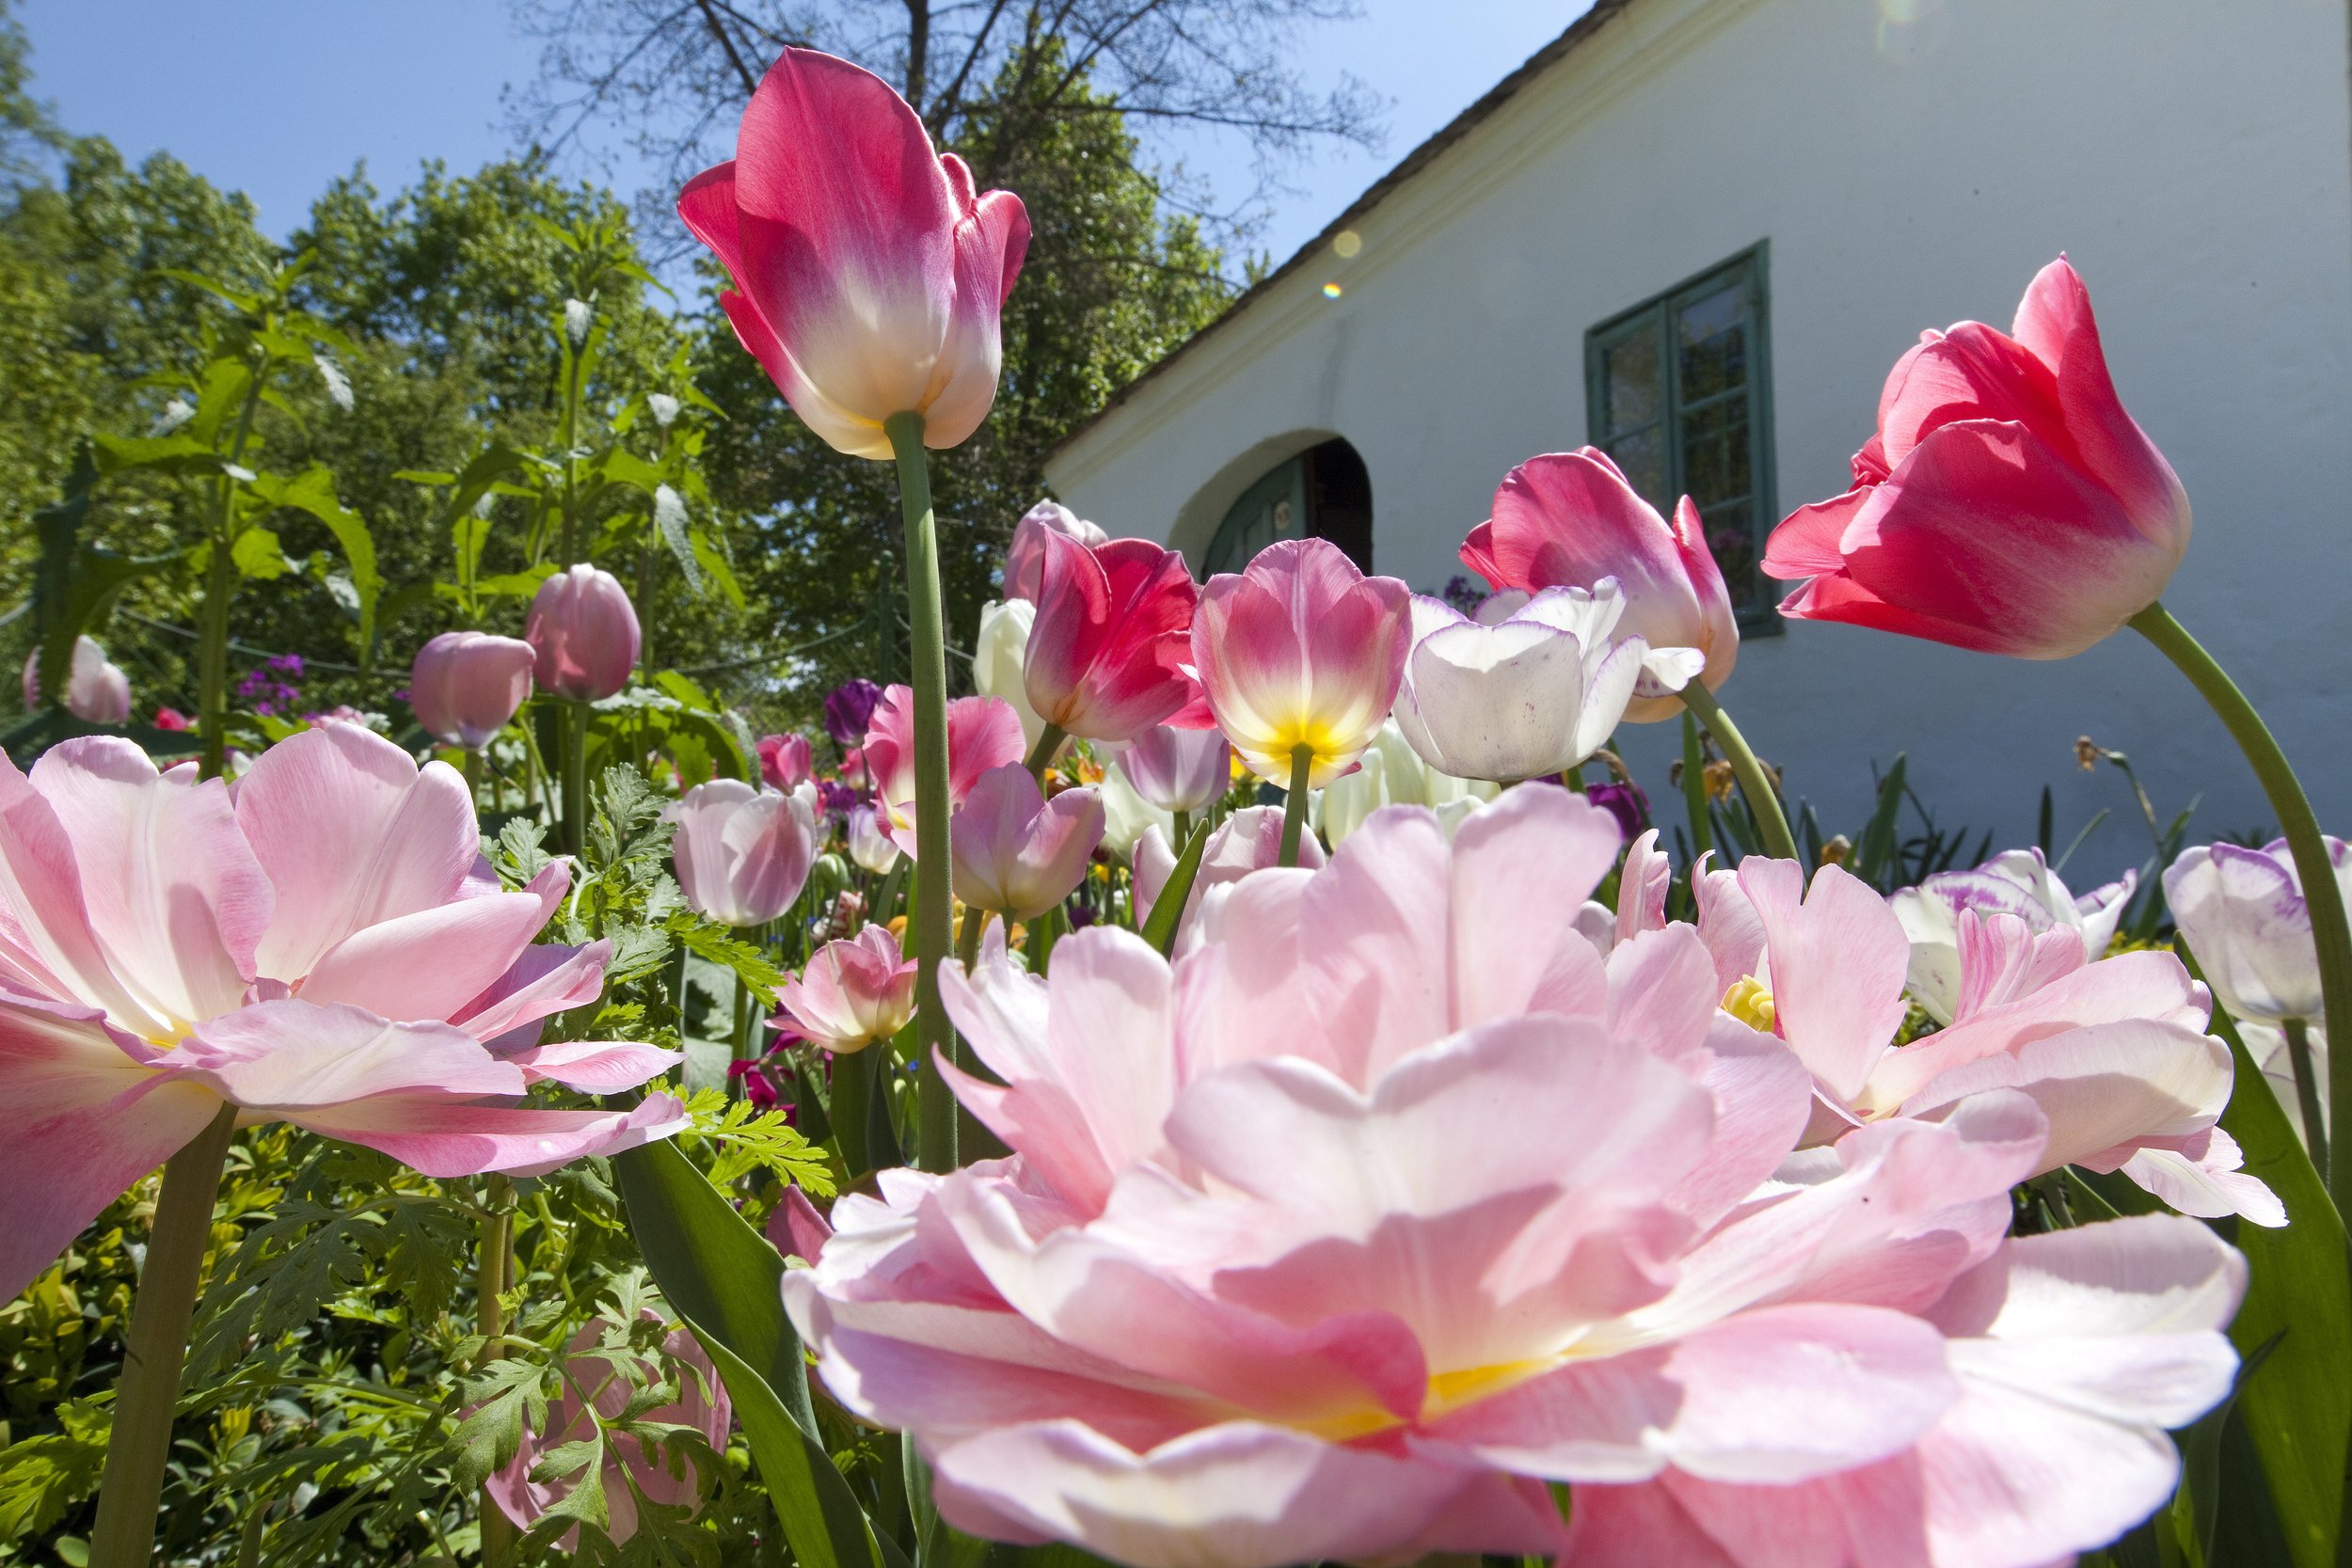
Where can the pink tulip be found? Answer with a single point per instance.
(982, 733)
(1301, 652)
(1177, 769)
(585, 632)
(784, 761)
(1025, 561)
(2006, 502)
(854, 992)
(743, 854)
(465, 686)
(328, 949)
(1569, 519)
(1249, 840)
(1017, 853)
(2015, 882)
(1113, 635)
(870, 273)
(632, 1464)
(1393, 1202)
(96, 690)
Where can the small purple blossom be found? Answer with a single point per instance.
(1624, 801)
(849, 708)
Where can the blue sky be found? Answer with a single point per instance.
(278, 96)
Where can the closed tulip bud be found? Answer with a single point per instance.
(743, 854)
(850, 710)
(1025, 561)
(870, 844)
(1301, 653)
(585, 633)
(2246, 920)
(2006, 502)
(997, 656)
(784, 761)
(96, 690)
(1177, 769)
(1569, 520)
(869, 274)
(982, 733)
(1107, 655)
(1018, 853)
(464, 685)
(854, 992)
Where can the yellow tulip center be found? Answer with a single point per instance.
(1751, 1002)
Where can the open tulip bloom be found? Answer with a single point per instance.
(983, 732)
(2016, 883)
(326, 949)
(1017, 853)
(1111, 651)
(1394, 1199)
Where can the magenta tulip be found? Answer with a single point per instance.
(2006, 502)
(465, 686)
(585, 633)
(868, 274)
(1177, 769)
(743, 854)
(854, 992)
(327, 948)
(1025, 561)
(1569, 519)
(1017, 853)
(96, 690)
(1113, 634)
(982, 733)
(784, 761)
(1301, 655)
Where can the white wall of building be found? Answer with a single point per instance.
(2193, 157)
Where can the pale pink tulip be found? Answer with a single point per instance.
(784, 761)
(869, 274)
(855, 991)
(1249, 840)
(96, 690)
(1394, 1200)
(585, 632)
(635, 1465)
(327, 948)
(1017, 853)
(982, 733)
(2016, 883)
(1175, 769)
(465, 686)
(1301, 652)
(869, 842)
(743, 854)
(1025, 561)
(2244, 914)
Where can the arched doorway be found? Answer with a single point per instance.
(1322, 493)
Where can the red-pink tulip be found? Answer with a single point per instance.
(1301, 652)
(855, 991)
(585, 632)
(1569, 519)
(1113, 634)
(465, 685)
(871, 275)
(1025, 561)
(1018, 853)
(784, 761)
(982, 733)
(2007, 503)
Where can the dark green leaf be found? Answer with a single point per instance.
(1160, 929)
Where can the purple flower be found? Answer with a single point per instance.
(838, 798)
(849, 708)
(1624, 801)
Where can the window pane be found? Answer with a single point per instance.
(1731, 531)
(1634, 371)
(1641, 456)
(1715, 451)
(1713, 335)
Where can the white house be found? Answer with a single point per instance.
(1787, 192)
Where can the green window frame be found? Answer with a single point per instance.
(1679, 393)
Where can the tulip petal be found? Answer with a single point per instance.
(430, 963)
(442, 1139)
(286, 1056)
(1838, 960)
(546, 978)
(593, 1067)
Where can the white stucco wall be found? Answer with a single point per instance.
(2193, 157)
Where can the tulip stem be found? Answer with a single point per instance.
(1042, 755)
(933, 922)
(968, 940)
(1694, 789)
(147, 1396)
(2307, 1092)
(576, 779)
(491, 1282)
(1757, 785)
(474, 778)
(2330, 931)
(1184, 829)
(1294, 803)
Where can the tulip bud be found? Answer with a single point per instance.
(870, 844)
(1025, 561)
(1017, 853)
(850, 710)
(855, 991)
(2247, 919)
(1108, 656)
(584, 631)
(464, 685)
(982, 733)
(784, 761)
(1177, 769)
(742, 855)
(997, 656)
(96, 690)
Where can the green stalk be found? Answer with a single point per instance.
(740, 1042)
(935, 1139)
(1042, 755)
(1694, 788)
(490, 1282)
(1184, 831)
(473, 777)
(1294, 803)
(1757, 785)
(576, 777)
(968, 940)
(2330, 931)
(220, 586)
(2307, 1092)
(567, 545)
(852, 1097)
(130, 1492)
